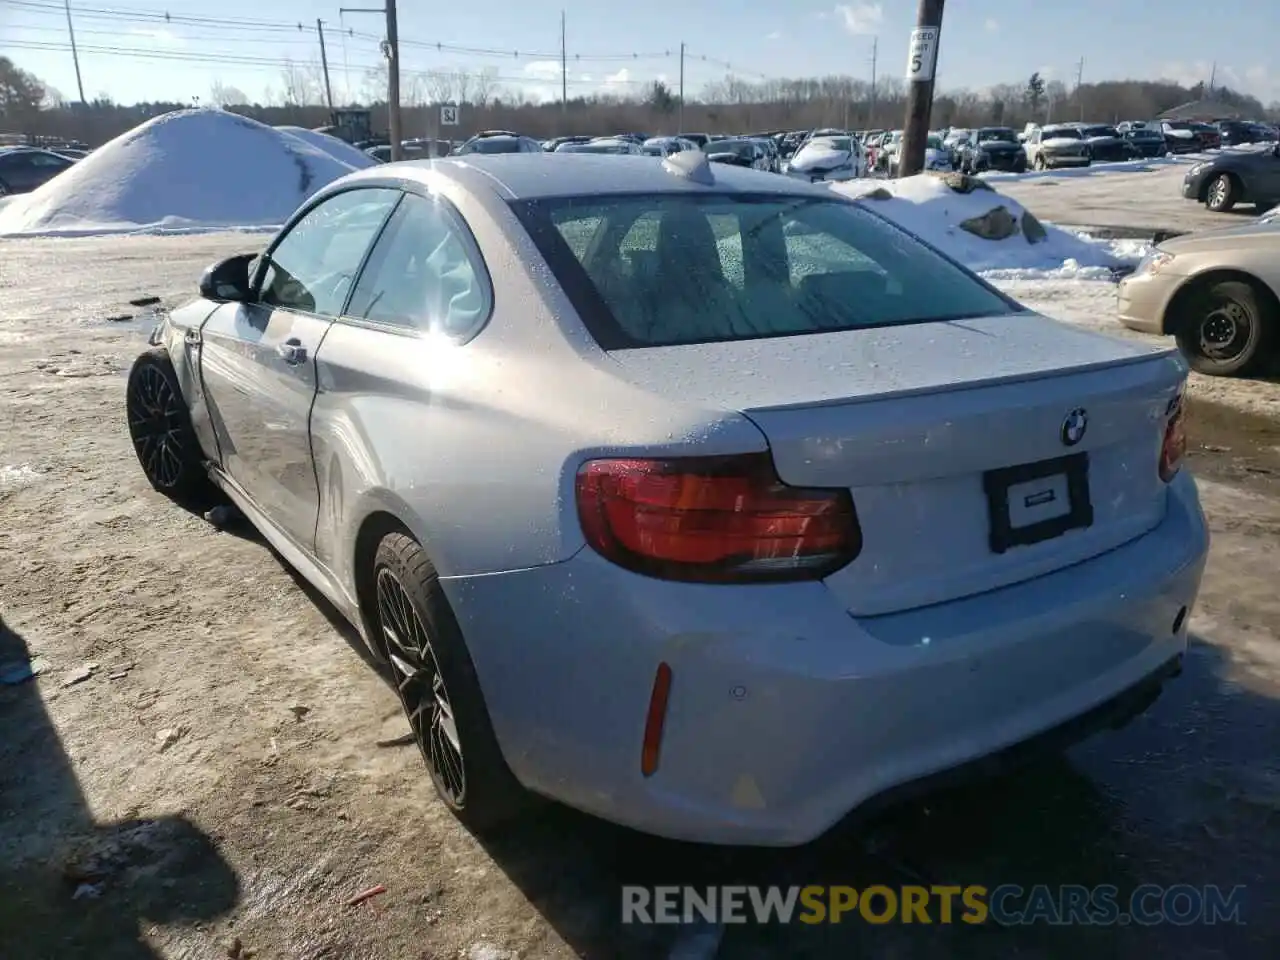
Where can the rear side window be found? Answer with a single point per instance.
(423, 274)
(673, 269)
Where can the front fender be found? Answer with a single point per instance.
(185, 357)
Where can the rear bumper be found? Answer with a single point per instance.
(1052, 160)
(1005, 162)
(785, 712)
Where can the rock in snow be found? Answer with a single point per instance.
(183, 172)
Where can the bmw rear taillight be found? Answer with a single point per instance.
(1174, 447)
(714, 520)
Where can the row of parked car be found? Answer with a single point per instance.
(829, 153)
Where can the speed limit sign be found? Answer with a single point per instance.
(449, 115)
(922, 56)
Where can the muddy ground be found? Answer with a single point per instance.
(206, 765)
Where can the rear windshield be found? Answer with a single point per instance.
(492, 145)
(660, 270)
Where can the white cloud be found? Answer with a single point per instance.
(621, 77)
(861, 18)
(774, 36)
(159, 35)
(992, 25)
(542, 70)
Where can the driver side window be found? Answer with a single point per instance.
(312, 267)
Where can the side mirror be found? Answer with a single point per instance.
(228, 280)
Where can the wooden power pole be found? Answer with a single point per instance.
(922, 64)
(391, 49)
(680, 122)
(75, 54)
(324, 62)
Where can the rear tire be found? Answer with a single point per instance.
(1221, 194)
(1229, 329)
(438, 688)
(160, 428)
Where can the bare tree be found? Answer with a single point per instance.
(224, 95)
(462, 82)
(299, 88)
(373, 85)
(484, 85)
(439, 86)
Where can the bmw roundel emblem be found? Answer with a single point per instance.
(1074, 426)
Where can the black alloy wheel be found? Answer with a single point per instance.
(421, 688)
(160, 428)
(416, 632)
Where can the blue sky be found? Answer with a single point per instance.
(131, 53)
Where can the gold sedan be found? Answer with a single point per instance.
(1218, 292)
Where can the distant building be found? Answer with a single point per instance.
(1203, 111)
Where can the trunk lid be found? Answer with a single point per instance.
(918, 421)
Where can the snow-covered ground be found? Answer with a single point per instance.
(187, 171)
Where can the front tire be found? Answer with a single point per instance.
(438, 688)
(1221, 194)
(160, 428)
(1228, 330)
(1039, 162)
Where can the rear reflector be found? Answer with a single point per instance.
(1174, 447)
(657, 717)
(714, 520)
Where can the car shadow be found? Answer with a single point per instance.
(1186, 793)
(70, 885)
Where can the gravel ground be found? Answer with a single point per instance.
(1150, 200)
(207, 766)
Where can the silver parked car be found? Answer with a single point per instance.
(701, 499)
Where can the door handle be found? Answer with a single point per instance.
(292, 351)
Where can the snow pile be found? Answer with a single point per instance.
(183, 172)
(340, 150)
(926, 206)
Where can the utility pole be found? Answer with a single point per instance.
(871, 111)
(75, 56)
(1079, 80)
(391, 50)
(922, 63)
(324, 62)
(564, 69)
(681, 122)
(393, 82)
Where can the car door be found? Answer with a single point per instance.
(1268, 176)
(423, 289)
(257, 359)
(20, 171)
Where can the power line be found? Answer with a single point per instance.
(157, 17)
(277, 63)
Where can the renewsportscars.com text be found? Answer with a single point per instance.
(1006, 905)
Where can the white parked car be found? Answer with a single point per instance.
(829, 158)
